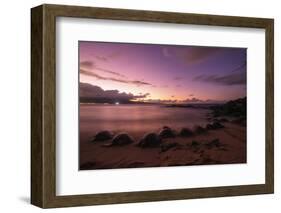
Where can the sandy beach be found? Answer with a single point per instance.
(225, 145)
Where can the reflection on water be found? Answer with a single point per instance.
(134, 118)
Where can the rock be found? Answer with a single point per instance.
(195, 144)
(223, 120)
(235, 108)
(214, 143)
(103, 136)
(167, 132)
(199, 130)
(167, 146)
(150, 140)
(215, 125)
(220, 120)
(166, 127)
(209, 127)
(185, 132)
(121, 139)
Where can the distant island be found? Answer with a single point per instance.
(233, 108)
(103, 100)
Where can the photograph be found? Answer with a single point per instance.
(140, 105)
(159, 105)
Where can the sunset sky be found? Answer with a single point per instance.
(162, 73)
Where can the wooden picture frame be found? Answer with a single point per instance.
(43, 105)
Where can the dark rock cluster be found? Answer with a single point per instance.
(153, 139)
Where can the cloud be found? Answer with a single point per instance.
(190, 53)
(241, 67)
(192, 100)
(228, 80)
(93, 93)
(166, 52)
(177, 78)
(92, 65)
(101, 58)
(141, 95)
(237, 76)
(197, 54)
(86, 64)
(107, 57)
(120, 80)
(111, 72)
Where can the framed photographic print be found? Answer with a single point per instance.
(136, 106)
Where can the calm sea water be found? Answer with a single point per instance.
(137, 119)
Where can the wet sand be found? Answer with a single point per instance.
(200, 149)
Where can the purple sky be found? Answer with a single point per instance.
(165, 72)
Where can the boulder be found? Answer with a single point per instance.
(167, 132)
(215, 125)
(195, 143)
(167, 146)
(121, 139)
(150, 140)
(166, 127)
(223, 120)
(102, 136)
(209, 127)
(214, 143)
(199, 129)
(186, 132)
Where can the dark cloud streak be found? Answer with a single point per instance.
(86, 64)
(92, 65)
(93, 74)
(196, 54)
(111, 72)
(227, 80)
